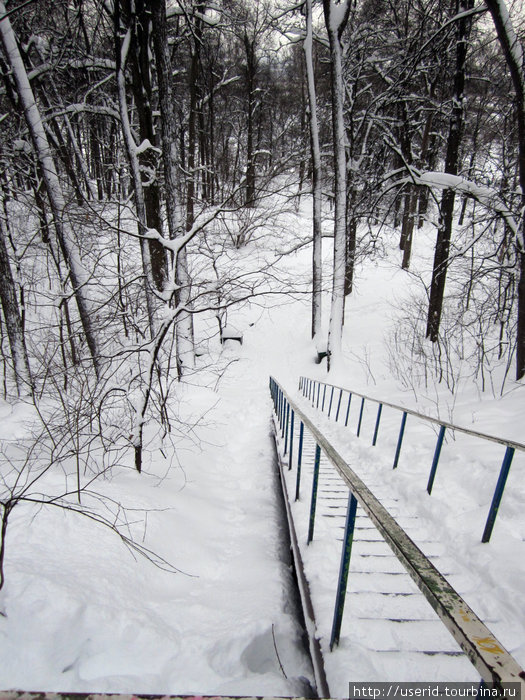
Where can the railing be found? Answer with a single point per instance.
(496, 666)
(311, 389)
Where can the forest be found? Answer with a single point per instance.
(142, 141)
(163, 163)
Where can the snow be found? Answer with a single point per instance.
(514, 43)
(338, 14)
(145, 146)
(487, 196)
(83, 614)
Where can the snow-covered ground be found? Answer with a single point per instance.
(81, 613)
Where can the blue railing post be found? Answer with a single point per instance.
(313, 502)
(283, 423)
(498, 493)
(348, 407)
(378, 419)
(331, 399)
(360, 416)
(343, 569)
(286, 424)
(309, 388)
(299, 461)
(400, 439)
(290, 456)
(435, 461)
(338, 404)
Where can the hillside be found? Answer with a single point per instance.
(81, 612)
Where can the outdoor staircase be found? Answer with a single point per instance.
(397, 566)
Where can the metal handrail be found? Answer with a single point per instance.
(310, 386)
(430, 419)
(496, 666)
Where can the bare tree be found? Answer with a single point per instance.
(142, 84)
(78, 276)
(452, 161)
(181, 277)
(515, 57)
(336, 17)
(13, 321)
(317, 184)
(122, 45)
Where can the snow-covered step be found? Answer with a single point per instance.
(379, 589)
(388, 624)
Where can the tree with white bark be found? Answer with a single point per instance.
(77, 273)
(514, 53)
(317, 182)
(336, 15)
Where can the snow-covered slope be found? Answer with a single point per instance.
(81, 613)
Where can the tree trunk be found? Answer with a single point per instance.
(184, 325)
(514, 55)
(426, 156)
(251, 68)
(351, 239)
(142, 95)
(317, 183)
(212, 165)
(193, 120)
(121, 51)
(336, 21)
(407, 230)
(441, 254)
(55, 256)
(13, 321)
(68, 247)
(6, 510)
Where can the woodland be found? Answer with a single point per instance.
(141, 140)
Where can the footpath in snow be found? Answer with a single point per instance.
(81, 613)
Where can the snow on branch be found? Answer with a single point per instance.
(210, 20)
(175, 245)
(145, 146)
(222, 83)
(81, 107)
(87, 64)
(487, 196)
(339, 12)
